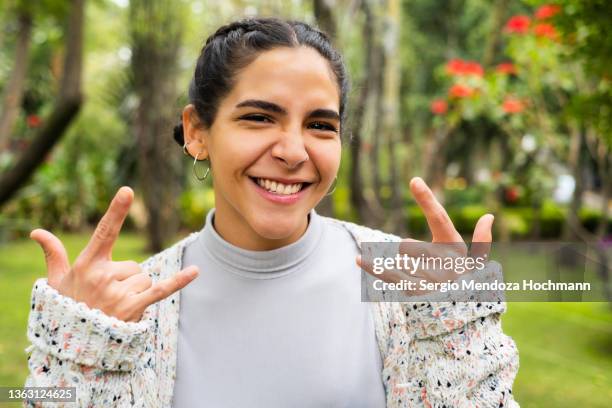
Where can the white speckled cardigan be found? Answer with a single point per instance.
(439, 354)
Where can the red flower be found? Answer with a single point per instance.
(513, 105)
(547, 11)
(454, 67)
(518, 24)
(507, 68)
(473, 68)
(460, 67)
(33, 121)
(439, 106)
(512, 194)
(460, 91)
(545, 30)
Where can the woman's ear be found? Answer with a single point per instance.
(195, 134)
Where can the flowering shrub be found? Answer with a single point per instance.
(523, 95)
(504, 92)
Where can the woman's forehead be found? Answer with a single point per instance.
(286, 75)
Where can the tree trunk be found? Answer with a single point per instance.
(379, 62)
(435, 161)
(576, 143)
(395, 220)
(356, 182)
(156, 31)
(323, 10)
(66, 108)
(324, 14)
(13, 92)
(497, 23)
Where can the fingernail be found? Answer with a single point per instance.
(192, 274)
(123, 195)
(418, 182)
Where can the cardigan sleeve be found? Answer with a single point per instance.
(459, 355)
(70, 330)
(448, 353)
(73, 345)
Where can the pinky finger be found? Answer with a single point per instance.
(166, 287)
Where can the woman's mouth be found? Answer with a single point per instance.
(279, 192)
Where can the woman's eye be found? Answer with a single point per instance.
(323, 126)
(256, 118)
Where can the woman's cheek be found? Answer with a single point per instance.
(327, 160)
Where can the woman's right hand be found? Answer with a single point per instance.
(120, 289)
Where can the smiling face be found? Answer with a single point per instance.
(274, 147)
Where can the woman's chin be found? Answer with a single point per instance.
(276, 228)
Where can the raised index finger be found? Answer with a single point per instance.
(107, 230)
(440, 224)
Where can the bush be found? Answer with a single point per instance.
(416, 222)
(194, 205)
(591, 218)
(465, 218)
(518, 220)
(552, 220)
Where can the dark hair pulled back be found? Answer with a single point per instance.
(235, 45)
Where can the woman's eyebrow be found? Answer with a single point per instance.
(265, 105)
(324, 114)
(272, 107)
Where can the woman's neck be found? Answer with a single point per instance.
(235, 229)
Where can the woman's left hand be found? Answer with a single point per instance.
(446, 241)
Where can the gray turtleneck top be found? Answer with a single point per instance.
(279, 328)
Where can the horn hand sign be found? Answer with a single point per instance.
(117, 288)
(446, 243)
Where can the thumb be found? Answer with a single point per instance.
(55, 256)
(481, 240)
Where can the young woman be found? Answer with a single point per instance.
(275, 318)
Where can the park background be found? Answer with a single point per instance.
(502, 106)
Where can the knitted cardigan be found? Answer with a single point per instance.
(435, 354)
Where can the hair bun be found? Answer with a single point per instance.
(178, 134)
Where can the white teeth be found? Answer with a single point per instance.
(279, 188)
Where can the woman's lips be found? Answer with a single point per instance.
(280, 198)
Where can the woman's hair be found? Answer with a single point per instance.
(235, 45)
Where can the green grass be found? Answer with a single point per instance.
(21, 263)
(565, 348)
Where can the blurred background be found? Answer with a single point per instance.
(502, 106)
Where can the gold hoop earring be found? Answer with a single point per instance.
(335, 182)
(185, 149)
(195, 173)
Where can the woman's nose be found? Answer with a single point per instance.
(290, 149)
